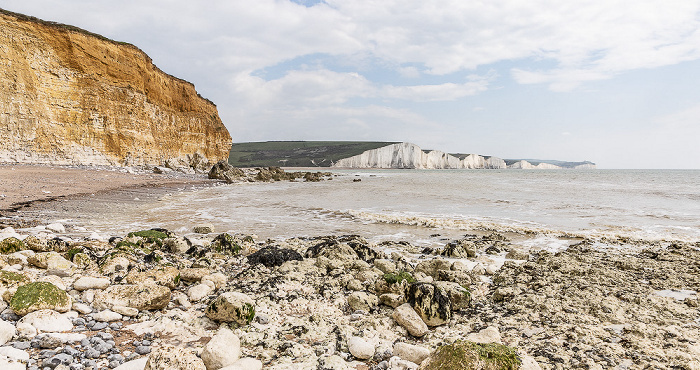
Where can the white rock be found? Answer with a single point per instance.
(63, 337)
(199, 291)
(89, 296)
(56, 227)
(95, 236)
(173, 358)
(396, 363)
(360, 348)
(7, 364)
(223, 350)
(47, 321)
(409, 352)
(529, 363)
(217, 278)
(17, 258)
(488, 335)
(89, 282)
(125, 311)
(14, 353)
(408, 318)
(133, 365)
(245, 364)
(25, 331)
(106, 316)
(7, 331)
(82, 308)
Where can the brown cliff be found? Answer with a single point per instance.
(68, 96)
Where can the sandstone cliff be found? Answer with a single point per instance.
(71, 97)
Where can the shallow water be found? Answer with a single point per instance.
(416, 205)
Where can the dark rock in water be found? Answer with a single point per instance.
(462, 248)
(432, 303)
(224, 171)
(273, 256)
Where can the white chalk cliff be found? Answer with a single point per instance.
(411, 156)
(407, 155)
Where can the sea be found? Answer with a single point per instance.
(424, 207)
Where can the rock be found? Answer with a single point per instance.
(167, 276)
(89, 282)
(191, 275)
(39, 296)
(409, 352)
(217, 278)
(431, 267)
(203, 229)
(176, 245)
(53, 279)
(106, 316)
(9, 279)
(56, 227)
(125, 311)
(385, 266)
(232, 307)
(460, 297)
(142, 297)
(41, 260)
(47, 321)
(59, 266)
(11, 245)
(196, 292)
(173, 358)
(118, 265)
(226, 244)
(362, 301)
(392, 300)
(397, 363)
(7, 331)
(222, 350)
(460, 249)
(224, 171)
(333, 362)
(245, 364)
(82, 308)
(488, 335)
(470, 355)
(25, 330)
(8, 364)
(53, 340)
(407, 317)
(14, 354)
(138, 364)
(360, 348)
(430, 302)
(273, 256)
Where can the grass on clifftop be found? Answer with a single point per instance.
(297, 153)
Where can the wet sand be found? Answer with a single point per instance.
(23, 185)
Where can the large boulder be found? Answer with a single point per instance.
(148, 296)
(462, 248)
(430, 302)
(167, 276)
(173, 358)
(460, 297)
(39, 296)
(431, 267)
(407, 317)
(232, 307)
(222, 350)
(362, 301)
(224, 171)
(470, 355)
(46, 321)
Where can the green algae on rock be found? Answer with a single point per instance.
(11, 245)
(476, 356)
(38, 296)
(399, 277)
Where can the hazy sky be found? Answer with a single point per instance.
(616, 82)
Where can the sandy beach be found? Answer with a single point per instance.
(24, 184)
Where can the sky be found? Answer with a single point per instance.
(615, 82)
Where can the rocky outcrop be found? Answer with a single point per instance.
(71, 97)
(411, 156)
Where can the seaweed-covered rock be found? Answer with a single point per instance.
(11, 245)
(462, 248)
(232, 307)
(273, 256)
(460, 297)
(39, 296)
(224, 171)
(226, 244)
(430, 302)
(344, 248)
(152, 238)
(470, 355)
(9, 279)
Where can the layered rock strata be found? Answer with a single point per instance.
(71, 97)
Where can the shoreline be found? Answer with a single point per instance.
(23, 186)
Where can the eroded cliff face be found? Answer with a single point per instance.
(70, 97)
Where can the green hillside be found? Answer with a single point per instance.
(297, 153)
